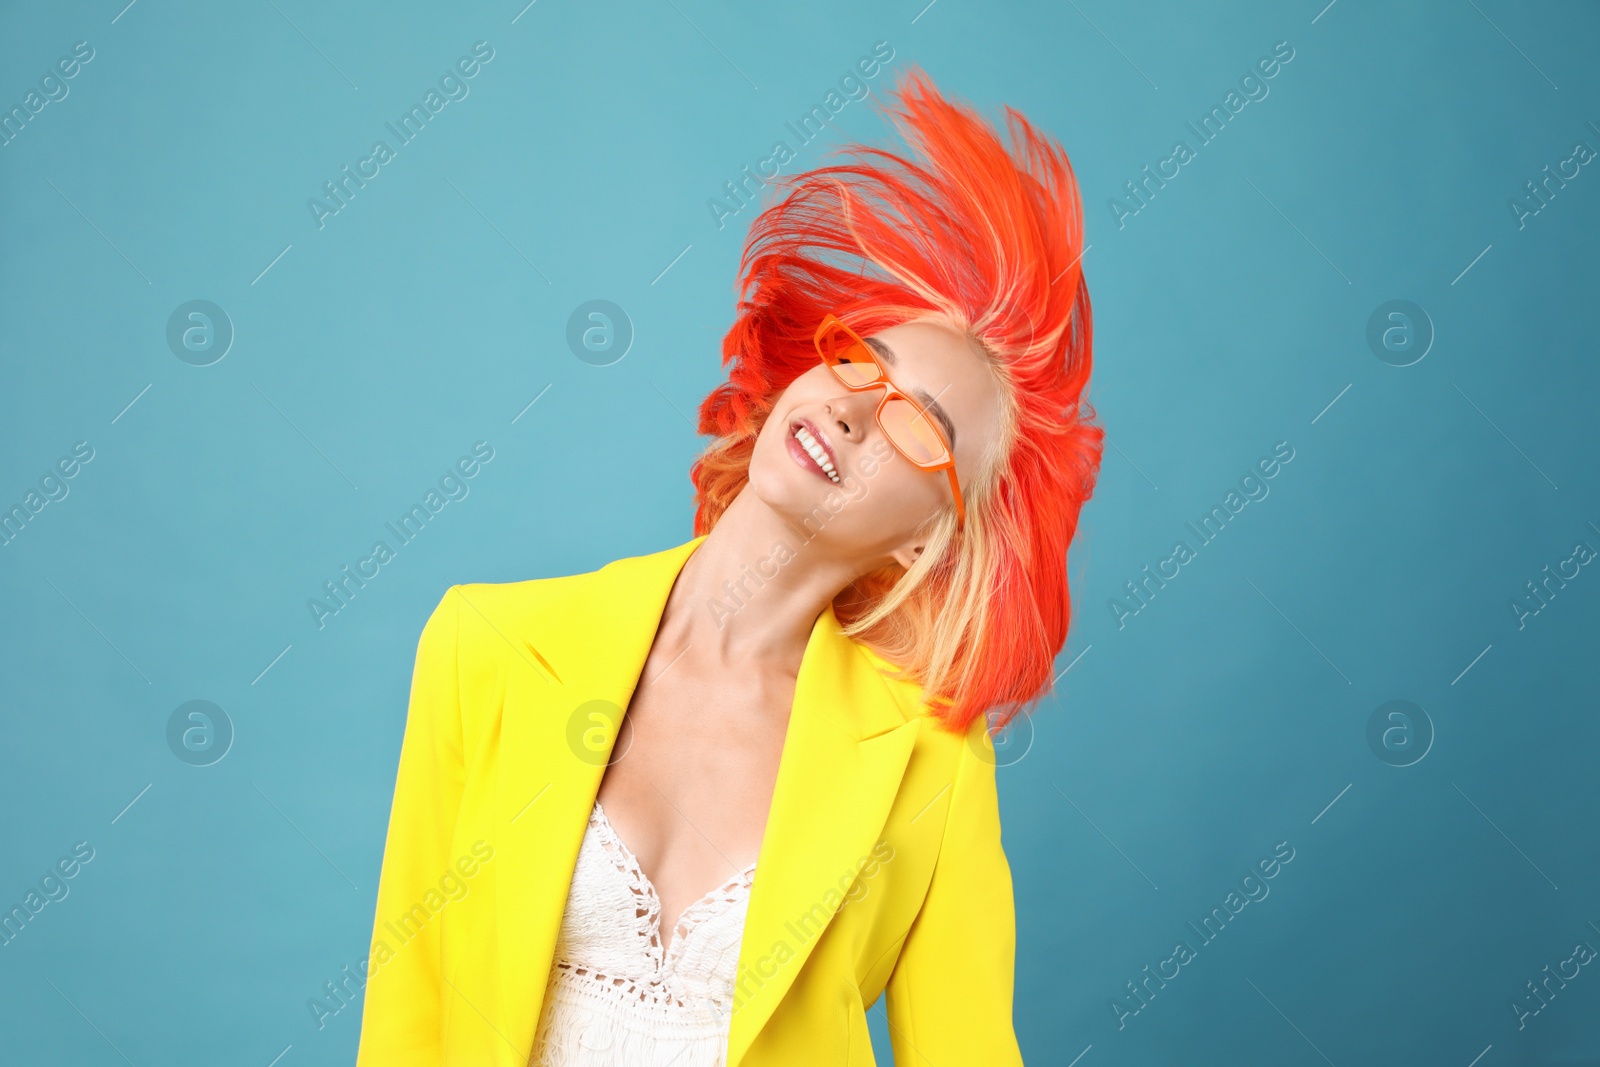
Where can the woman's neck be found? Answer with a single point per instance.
(752, 590)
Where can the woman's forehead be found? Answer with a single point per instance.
(938, 358)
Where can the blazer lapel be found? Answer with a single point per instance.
(846, 747)
(844, 753)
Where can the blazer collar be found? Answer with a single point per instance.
(849, 738)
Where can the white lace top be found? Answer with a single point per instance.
(615, 997)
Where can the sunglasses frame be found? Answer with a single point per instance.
(832, 322)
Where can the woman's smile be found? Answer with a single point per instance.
(810, 449)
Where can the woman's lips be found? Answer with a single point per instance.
(802, 457)
(821, 439)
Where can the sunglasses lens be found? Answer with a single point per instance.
(912, 433)
(850, 359)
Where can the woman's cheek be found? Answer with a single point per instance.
(867, 463)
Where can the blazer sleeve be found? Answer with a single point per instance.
(400, 1022)
(950, 994)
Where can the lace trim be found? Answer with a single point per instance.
(647, 921)
(662, 1016)
(582, 1029)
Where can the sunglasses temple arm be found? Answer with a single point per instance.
(955, 489)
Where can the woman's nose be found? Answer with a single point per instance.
(851, 413)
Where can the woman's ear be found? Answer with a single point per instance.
(906, 555)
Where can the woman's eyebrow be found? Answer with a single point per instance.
(920, 393)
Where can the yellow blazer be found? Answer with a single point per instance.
(881, 867)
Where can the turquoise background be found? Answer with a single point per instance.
(1230, 714)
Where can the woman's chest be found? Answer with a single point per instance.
(690, 788)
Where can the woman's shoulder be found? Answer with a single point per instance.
(470, 610)
(491, 620)
(525, 597)
(913, 701)
(568, 580)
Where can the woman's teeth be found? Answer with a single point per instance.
(817, 453)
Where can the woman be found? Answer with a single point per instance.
(705, 805)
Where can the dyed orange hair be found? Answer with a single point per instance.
(986, 241)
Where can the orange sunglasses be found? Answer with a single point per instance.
(910, 429)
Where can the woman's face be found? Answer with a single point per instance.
(881, 498)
